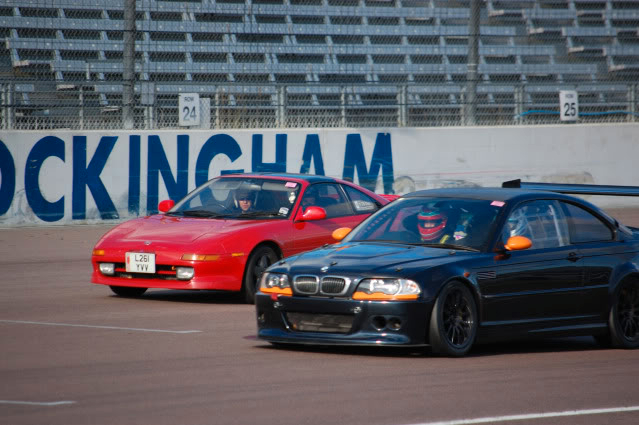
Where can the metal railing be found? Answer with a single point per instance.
(25, 106)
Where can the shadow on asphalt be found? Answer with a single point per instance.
(550, 345)
(555, 345)
(186, 296)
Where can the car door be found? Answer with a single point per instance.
(536, 288)
(601, 252)
(339, 213)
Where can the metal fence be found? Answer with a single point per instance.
(316, 63)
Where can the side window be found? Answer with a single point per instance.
(586, 227)
(361, 203)
(543, 222)
(328, 196)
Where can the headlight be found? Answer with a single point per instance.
(275, 283)
(387, 290)
(107, 268)
(184, 273)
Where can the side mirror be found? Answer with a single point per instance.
(166, 205)
(517, 243)
(312, 213)
(341, 233)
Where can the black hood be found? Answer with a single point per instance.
(366, 257)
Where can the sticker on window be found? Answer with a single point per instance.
(283, 211)
(363, 205)
(497, 203)
(291, 184)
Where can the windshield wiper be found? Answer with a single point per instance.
(430, 245)
(393, 241)
(445, 246)
(202, 213)
(260, 214)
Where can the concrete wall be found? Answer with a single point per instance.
(61, 177)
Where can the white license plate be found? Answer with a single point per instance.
(140, 262)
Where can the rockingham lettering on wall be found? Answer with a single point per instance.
(126, 175)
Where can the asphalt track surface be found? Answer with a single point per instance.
(73, 353)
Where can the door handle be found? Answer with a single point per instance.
(573, 256)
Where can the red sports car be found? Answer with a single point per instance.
(224, 233)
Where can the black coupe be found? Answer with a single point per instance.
(451, 267)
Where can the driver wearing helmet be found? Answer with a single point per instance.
(431, 223)
(443, 225)
(244, 199)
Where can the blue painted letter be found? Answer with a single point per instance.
(8, 173)
(382, 158)
(215, 145)
(312, 150)
(84, 177)
(158, 163)
(43, 149)
(134, 175)
(280, 155)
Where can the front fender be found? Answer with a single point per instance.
(436, 278)
(625, 270)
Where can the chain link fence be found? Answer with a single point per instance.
(316, 63)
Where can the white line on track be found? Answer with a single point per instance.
(24, 322)
(510, 418)
(37, 403)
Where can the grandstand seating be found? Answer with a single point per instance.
(239, 51)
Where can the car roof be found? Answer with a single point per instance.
(310, 178)
(490, 193)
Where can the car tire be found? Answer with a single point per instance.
(623, 319)
(259, 260)
(453, 321)
(127, 291)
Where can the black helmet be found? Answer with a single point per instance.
(244, 194)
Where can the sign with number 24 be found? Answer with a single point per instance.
(189, 109)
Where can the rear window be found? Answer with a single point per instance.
(587, 227)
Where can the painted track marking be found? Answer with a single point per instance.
(509, 418)
(24, 322)
(37, 403)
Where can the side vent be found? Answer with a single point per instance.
(486, 275)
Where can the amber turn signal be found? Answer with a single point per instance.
(200, 257)
(341, 233)
(277, 290)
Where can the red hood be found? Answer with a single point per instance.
(180, 230)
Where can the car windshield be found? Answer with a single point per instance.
(239, 198)
(428, 221)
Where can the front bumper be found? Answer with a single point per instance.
(225, 274)
(335, 321)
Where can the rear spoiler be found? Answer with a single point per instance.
(579, 189)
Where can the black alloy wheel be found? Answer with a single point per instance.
(453, 323)
(259, 261)
(624, 316)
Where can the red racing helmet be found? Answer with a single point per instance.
(431, 223)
